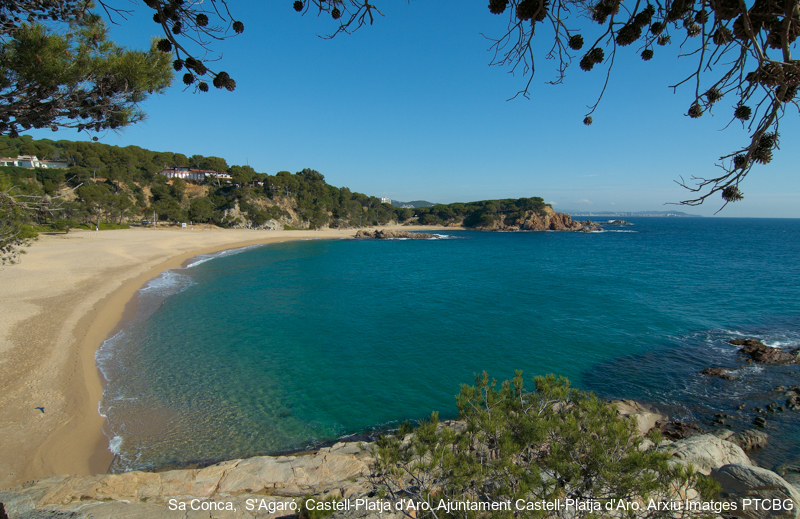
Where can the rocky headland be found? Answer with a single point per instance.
(269, 486)
(547, 220)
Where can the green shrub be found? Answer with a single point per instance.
(319, 512)
(553, 444)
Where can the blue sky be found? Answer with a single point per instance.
(409, 108)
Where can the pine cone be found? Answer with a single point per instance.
(586, 63)
(679, 9)
(767, 141)
(203, 86)
(498, 6)
(575, 42)
(647, 54)
(732, 194)
(604, 9)
(588, 120)
(336, 13)
(695, 111)
(528, 9)
(298, 5)
(693, 30)
(643, 17)
(739, 161)
(713, 95)
(762, 155)
(739, 30)
(742, 112)
(771, 74)
(164, 45)
(664, 39)
(196, 65)
(188, 79)
(723, 36)
(657, 28)
(790, 94)
(201, 20)
(597, 55)
(176, 28)
(177, 64)
(238, 27)
(220, 79)
(725, 9)
(791, 73)
(628, 34)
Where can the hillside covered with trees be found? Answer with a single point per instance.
(106, 184)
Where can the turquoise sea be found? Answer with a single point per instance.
(285, 346)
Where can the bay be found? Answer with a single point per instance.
(281, 347)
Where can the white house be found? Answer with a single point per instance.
(31, 161)
(195, 175)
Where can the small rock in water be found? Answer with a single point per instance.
(757, 351)
(718, 372)
(678, 430)
(760, 421)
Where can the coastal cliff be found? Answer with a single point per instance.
(273, 486)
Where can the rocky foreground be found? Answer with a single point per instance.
(270, 487)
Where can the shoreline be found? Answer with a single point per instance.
(67, 296)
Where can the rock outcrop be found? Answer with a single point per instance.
(792, 395)
(748, 440)
(759, 352)
(718, 372)
(706, 452)
(385, 234)
(742, 482)
(548, 220)
(677, 430)
(646, 418)
(340, 471)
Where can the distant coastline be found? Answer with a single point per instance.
(646, 214)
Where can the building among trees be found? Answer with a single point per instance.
(31, 161)
(196, 175)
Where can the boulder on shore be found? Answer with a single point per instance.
(706, 452)
(742, 482)
(646, 418)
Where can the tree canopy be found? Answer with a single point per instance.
(73, 78)
(743, 52)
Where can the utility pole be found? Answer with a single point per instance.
(154, 218)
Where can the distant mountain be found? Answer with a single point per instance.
(631, 213)
(413, 204)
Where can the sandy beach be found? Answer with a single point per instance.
(57, 306)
